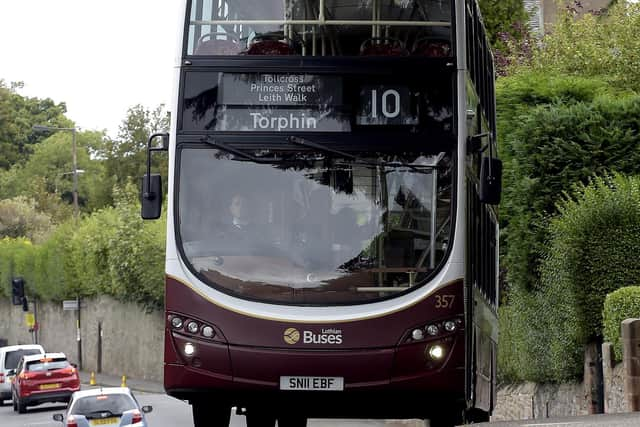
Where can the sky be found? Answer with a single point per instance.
(100, 57)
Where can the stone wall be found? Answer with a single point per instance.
(132, 345)
(530, 401)
(132, 340)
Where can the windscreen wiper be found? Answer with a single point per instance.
(310, 144)
(416, 168)
(224, 147)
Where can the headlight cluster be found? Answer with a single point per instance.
(191, 326)
(434, 330)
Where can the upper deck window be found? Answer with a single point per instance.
(320, 27)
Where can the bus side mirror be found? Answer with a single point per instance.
(151, 188)
(151, 196)
(490, 181)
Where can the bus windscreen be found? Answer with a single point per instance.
(317, 229)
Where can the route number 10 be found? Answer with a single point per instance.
(389, 103)
(385, 105)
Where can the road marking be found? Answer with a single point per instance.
(552, 424)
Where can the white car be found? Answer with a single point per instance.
(104, 406)
(9, 358)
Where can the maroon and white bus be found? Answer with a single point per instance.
(332, 239)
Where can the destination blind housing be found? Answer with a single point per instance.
(308, 102)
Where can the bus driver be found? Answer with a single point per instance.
(239, 209)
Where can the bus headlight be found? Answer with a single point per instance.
(192, 327)
(208, 332)
(450, 326)
(189, 349)
(176, 322)
(433, 330)
(436, 352)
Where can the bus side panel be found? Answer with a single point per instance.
(485, 325)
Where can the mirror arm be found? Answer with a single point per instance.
(147, 194)
(474, 143)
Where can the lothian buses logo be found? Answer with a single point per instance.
(291, 336)
(326, 336)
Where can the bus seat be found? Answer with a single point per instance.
(271, 44)
(209, 44)
(398, 249)
(432, 48)
(383, 46)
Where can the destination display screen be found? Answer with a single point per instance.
(281, 103)
(301, 102)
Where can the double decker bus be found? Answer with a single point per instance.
(332, 236)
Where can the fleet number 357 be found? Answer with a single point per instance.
(445, 301)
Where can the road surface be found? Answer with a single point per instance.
(169, 412)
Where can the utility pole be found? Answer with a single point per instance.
(75, 175)
(76, 213)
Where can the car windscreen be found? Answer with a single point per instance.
(96, 406)
(48, 364)
(13, 357)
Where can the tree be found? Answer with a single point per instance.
(17, 115)
(595, 45)
(19, 218)
(503, 16)
(125, 157)
(47, 176)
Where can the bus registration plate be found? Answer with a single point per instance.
(312, 383)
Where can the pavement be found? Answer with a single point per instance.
(116, 381)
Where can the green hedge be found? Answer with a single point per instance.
(590, 252)
(618, 306)
(517, 95)
(553, 148)
(111, 252)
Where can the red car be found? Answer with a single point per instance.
(43, 378)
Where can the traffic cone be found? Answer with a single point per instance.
(92, 380)
(124, 381)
